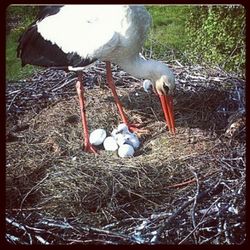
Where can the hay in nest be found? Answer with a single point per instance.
(188, 188)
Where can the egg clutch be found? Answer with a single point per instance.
(121, 139)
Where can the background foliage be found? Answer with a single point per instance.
(216, 35)
(18, 19)
(204, 34)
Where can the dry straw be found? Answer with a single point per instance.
(188, 188)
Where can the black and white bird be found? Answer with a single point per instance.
(71, 37)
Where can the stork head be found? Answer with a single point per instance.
(163, 79)
(163, 83)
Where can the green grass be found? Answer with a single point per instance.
(167, 29)
(23, 17)
(168, 25)
(14, 70)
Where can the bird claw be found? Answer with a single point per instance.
(90, 149)
(137, 128)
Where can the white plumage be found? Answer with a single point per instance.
(106, 32)
(113, 33)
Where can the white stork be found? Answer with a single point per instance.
(71, 37)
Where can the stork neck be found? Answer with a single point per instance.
(139, 67)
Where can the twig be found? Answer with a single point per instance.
(195, 202)
(40, 239)
(142, 197)
(200, 223)
(13, 92)
(226, 233)
(31, 208)
(190, 181)
(64, 84)
(209, 192)
(13, 99)
(21, 227)
(31, 190)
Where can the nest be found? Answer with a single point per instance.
(188, 188)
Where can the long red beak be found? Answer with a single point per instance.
(168, 109)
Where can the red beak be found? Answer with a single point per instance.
(168, 109)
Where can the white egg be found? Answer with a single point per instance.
(124, 136)
(120, 139)
(110, 144)
(147, 85)
(122, 128)
(97, 136)
(114, 132)
(126, 150)
(133, 141)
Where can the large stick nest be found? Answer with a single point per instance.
(188, 188)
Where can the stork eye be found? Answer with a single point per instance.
(166, 88)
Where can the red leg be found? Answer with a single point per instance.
(132, 127)
(80, 91)
(167, 106)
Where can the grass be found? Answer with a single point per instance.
(168, 25)
(14, 70)
(168, 29)
(21, 17)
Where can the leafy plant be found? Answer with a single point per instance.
(216, 35)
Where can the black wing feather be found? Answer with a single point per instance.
(45, 11)
(34, 49)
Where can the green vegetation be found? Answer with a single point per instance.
(14, 70)
(214, 35)
(168, 25)
(21, 16)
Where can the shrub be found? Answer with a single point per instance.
(216, 35)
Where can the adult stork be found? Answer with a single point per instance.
(71, 37)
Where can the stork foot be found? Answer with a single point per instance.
(90, 149)
(137, 128)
